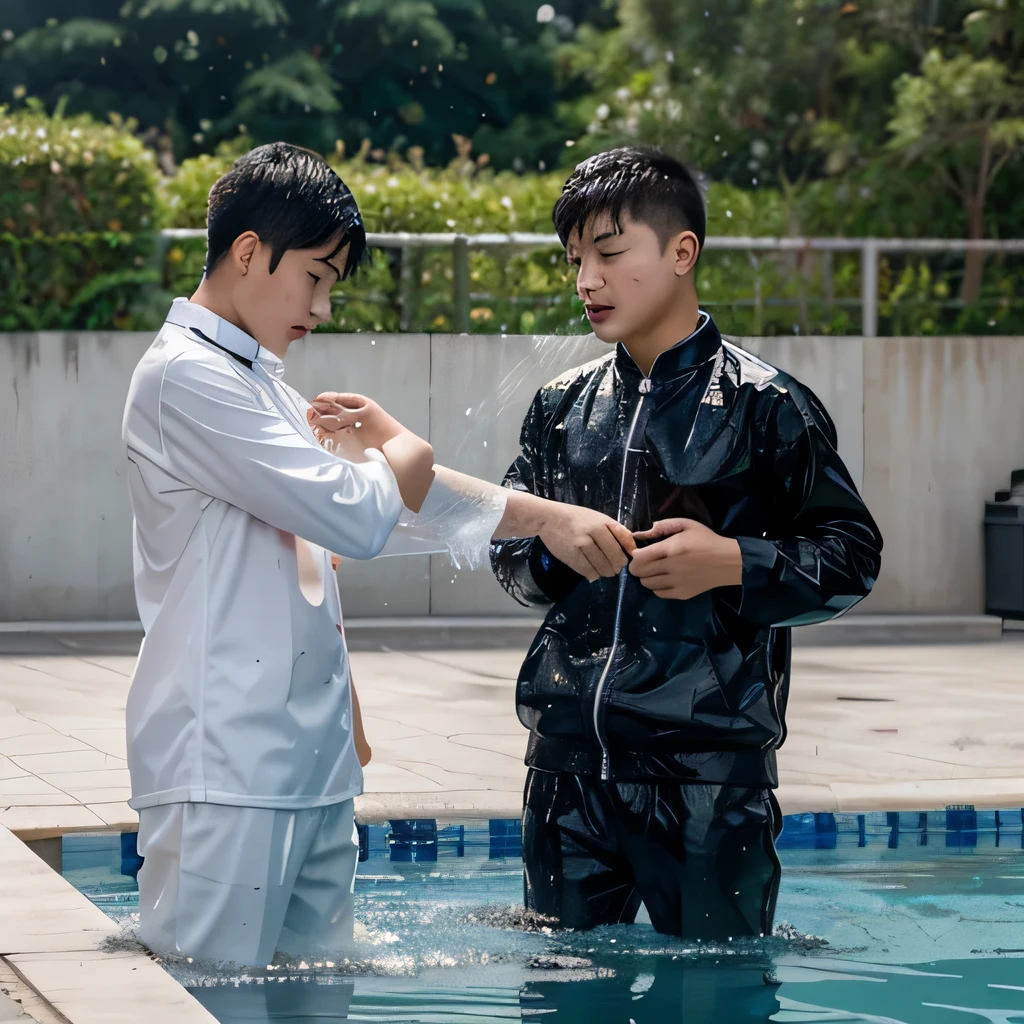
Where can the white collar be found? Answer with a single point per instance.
(223, 334)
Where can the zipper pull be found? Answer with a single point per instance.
(645, 386)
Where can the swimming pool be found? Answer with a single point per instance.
(922, 917)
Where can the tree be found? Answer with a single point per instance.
(399, 72)
(963, 114)
(755, 92)
(172, 65)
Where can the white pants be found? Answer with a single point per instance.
(237, 884)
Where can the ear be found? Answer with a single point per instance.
(242, 250)
(687, 249)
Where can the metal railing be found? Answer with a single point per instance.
(870, 250)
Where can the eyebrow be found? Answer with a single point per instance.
(571, 252)
(327, 260)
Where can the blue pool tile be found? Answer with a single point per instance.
(130, 859)
(808, 832)
(413, 839)
(453, 838)
(505, 838)
(961, 826)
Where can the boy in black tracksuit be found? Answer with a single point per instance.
(656, 699)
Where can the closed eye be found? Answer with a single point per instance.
(312, 275)
(607, 254)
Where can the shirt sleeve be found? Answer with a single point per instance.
(458, 517)
(524, 566)
(823, 553)
(219, 439)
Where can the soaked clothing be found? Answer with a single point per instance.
(241, 694)
(701, 858)
(621, 684)
(239, 884)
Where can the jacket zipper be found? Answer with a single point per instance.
(645, 389)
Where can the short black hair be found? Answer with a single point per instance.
(653, 187)
(291, 198)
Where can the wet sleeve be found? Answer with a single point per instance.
(217, 438)
(523, 565)
(824, 551)
(458, 517)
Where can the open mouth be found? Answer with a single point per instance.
(597, 312)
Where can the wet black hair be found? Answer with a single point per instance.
(291, 198)
(652, 187)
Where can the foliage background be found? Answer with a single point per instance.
(804, 117)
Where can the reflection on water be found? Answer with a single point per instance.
(654, 990)
(637, 989)
(917, 933)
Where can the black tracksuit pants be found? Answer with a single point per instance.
(700, 857)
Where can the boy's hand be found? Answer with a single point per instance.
(347, 424)
(353, 416)
(590, 542)
(363, 751)
(686, 559)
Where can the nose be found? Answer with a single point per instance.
(321, 305)
(588, 278)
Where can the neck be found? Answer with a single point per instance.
(218, 300)
(680, 323)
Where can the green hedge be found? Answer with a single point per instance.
(87, 280)
(80, 204)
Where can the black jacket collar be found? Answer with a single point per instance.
(698, 348)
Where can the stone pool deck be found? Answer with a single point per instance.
(870, 728)
(899, 726)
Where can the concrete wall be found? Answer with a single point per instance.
(65, 524)
(929, 427)
(943, 429)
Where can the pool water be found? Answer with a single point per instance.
(921, 919)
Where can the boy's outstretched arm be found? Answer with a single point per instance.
(586, 544)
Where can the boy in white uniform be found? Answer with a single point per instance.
(240, 716)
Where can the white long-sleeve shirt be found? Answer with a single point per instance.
(241, 693)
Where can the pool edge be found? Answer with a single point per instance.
(50, 936)
(988, 793)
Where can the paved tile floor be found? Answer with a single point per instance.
(870, 728)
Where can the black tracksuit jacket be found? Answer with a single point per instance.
(621, 684)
